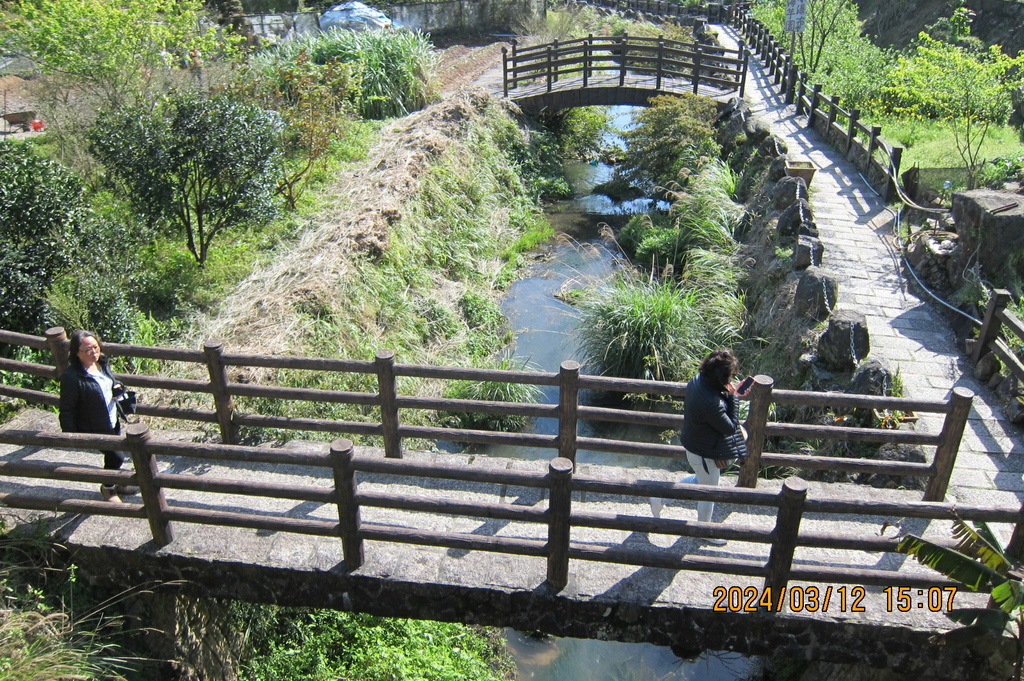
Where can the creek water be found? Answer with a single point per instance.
(583, 253)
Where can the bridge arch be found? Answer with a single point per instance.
(601, 71)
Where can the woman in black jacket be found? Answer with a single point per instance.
(88, 401)
(711, 430)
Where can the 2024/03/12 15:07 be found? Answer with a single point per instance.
(819, 599)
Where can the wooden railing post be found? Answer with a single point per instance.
(57, 342)
(1015, 547)
(833, 106)
(548, 70)
(568, 407)
(387, 389)
(876, 130)
(757, 420)
(588, 55)
(222, 400)
(745, 56)
(791, 81)
(504, 72)
(949, 444)
(815, 92)
(558, 58)
(515, 66)
(137, 436)
(893, 172)
(784, 537)
(559, 510)
(801, 93)
(989, 327)
(851, 130)
(696, 66)
(622, 65)
(349, 521)
(661, 49)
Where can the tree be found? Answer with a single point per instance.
(830, 23)
(672, 133)
(116, 47)
(41, 204)
(980, 562)
(970, 90)
(198, 165)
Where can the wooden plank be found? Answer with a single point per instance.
(415, 469)
(666, 559)
(815, 432)
(840, 463)
(405, 502)
(30, 368)
(14, 338)
(402, 535)
(317, 425)
(303, 394)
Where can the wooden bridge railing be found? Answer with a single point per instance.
(568, 411)
(990, 337)
(593, 57)
(560, 516)
(860, 144)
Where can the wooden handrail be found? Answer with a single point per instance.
(568, 412)
(560, 516)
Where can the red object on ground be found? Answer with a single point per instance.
(38, 124)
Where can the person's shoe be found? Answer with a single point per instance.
(109, 493)
(714, 541)
(656, 506)
(126, 490)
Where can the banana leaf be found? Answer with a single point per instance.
(987, 618)
(982, 544)
(974, 574)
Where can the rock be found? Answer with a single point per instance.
(896, 452)
(808, 252)
(773, 146)
(793, 216)
(845, 341)
(777, 169)
(1015, 411)
(756, 129)
(787, 190)
(808, 228)
(871, 378)
(991, 223)
(1007, 389)
(816, 294)
(986, 367)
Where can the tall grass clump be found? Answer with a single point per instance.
(492, 391)
(703, 216)
(642, 327)
(392, 71)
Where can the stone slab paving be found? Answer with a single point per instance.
(908, 332)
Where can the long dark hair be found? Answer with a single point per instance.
(76, 344)
(719, 368)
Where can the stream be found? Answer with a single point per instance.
(581, 254)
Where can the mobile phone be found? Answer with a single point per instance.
(743, 387)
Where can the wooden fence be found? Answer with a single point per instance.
(997, 319)
(560, 483)
(568, 411)
(862, 145)
(591, 58)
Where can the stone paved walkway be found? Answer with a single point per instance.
(907, 333)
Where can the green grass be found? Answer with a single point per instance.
(930, 144)
(492, 391)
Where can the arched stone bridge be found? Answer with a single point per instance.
(621, 70)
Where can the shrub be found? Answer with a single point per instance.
(673, 133)
(41, 206)
(392, 71)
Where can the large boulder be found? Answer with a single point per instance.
(807, 253)
(816, 294)
(871, 378)
(796, 214)
(991, 223)
(756, 129)
(787, 190)
(892, 452)
(845, 341)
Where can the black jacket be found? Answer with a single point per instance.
(711, 428)
(83, 408)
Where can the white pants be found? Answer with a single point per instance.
(703, 477)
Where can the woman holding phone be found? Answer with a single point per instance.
(711, 430)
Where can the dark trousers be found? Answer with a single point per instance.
(113, 460)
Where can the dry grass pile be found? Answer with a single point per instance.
(260, 316)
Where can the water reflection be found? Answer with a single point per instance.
(574, 659)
